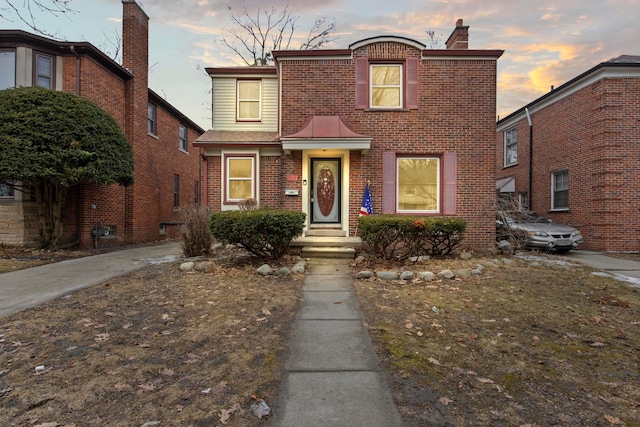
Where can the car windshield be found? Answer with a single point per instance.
(525, 217)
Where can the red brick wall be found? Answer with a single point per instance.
(456, 113)
(594, 134)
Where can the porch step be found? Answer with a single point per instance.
(328, 252)
(326, 232)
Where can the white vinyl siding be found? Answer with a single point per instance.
(224, 106)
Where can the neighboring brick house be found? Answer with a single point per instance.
(584, 137)
(166, 165)
(308, 133)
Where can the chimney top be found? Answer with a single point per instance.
(459, 38)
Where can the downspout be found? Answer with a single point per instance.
(73, 50)
(526, 110)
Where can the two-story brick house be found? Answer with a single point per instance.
(166, 165)
(309, 132)
(574, 155)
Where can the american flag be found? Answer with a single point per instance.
(367, 207)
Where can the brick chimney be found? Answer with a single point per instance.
(135, 57)
(459, 38)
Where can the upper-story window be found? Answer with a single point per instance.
(152, 125)
(182, 139)
(44, 71)
(511, 147)
(386, 86)
(7, 69)
(248, 100)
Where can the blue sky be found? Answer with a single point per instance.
(545, 42)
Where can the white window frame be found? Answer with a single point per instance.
(400, 86)
(52, 70)
(182, 138)
(565, 187)
(8, 192)
(226, 179)
(510, 146)
(240, 100)
(152, 119)
(413, 188)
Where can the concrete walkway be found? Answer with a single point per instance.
(32, 286)
(332, 376)
(615, 266)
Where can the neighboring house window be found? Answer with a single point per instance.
(152, 124)
(523, 201)
(386, 86)
(44, 71)
(7, 69)
(182, 142)
(176, 191)
(196, 192)
(240, 178)
(560, 189)
(418, 184)
(511, 147)
(6, 190)
(248, 100)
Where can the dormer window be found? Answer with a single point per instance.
(386, 86)
(248, 100)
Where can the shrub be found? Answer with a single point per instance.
(401, 237)
(264, 232)
(195, 233)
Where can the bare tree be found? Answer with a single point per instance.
(253, 38)
(434, 40)
(26, 11)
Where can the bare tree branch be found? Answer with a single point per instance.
(26, 11)
(252, 39)
(434, 40)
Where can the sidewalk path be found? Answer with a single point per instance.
(32, 286)
(332, 376)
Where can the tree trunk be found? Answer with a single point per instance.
(51, 200)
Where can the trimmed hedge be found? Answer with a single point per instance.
(264, 232)
(401, 237)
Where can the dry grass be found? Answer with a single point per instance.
(519, 345)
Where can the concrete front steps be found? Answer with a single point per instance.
(326, 243)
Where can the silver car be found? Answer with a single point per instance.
(537, 232)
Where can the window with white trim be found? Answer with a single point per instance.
(7, 69)
(152, 125)
(240, 178)
(182, 139)
(6, 189)
(386, 86)
(418, 184)
(248, 98)
(560, 190)
(511, 147)
(44, 71)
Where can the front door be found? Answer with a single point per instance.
(326, 177)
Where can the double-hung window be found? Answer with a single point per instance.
(6, 189)
(7, 69)
(248, 106)
(418, 184)
(152, 125)
(44, 70)
(182, 139)
(511, 147)
(560, 190)
(240, 174)
(386, 86)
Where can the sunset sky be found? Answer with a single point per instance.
(545, 42)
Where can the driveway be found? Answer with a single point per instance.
(626, 270)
